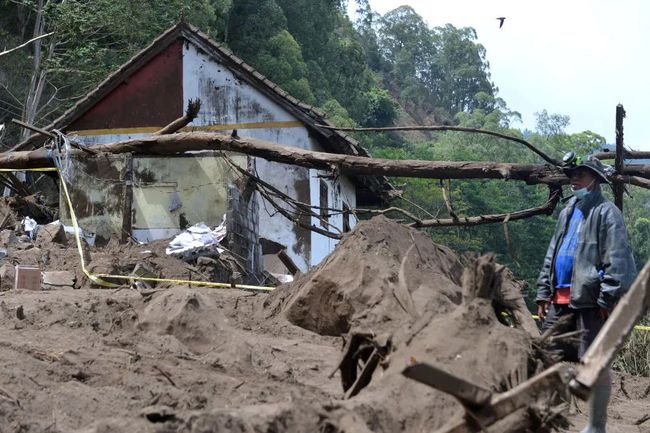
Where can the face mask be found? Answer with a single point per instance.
(582, 192)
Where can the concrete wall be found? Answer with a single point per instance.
(170, 194)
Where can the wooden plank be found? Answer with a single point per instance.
(287, 262)
(502, 405)
(612, 336)
(365, 375)
(468, 393)
(551, 379)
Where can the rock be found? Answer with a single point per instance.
(20, 313)
(206, 261)
(58, 280)
(8, 237)
(52, 233)
(142, 270)
(7, 276)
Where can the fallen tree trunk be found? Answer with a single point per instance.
(347, 164)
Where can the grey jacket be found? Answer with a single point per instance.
(603, 245)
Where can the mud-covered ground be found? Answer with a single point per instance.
(197, 360)
(105, 360)
(95, 360)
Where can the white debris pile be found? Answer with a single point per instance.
(197, 240)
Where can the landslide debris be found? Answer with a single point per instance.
(323, 353)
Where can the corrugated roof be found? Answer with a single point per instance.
(309, 115)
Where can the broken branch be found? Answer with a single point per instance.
(613, 335)
(193, 108)
(446, 197)
(348, 164)
(11, 50)
(530, 146)
(545, 209)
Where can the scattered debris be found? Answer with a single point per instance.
(56, 280)
(121, 361)
(198, 240)
(30, 226)
(27, 278)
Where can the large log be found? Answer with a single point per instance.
(347, 164)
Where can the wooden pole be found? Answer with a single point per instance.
(619, 162)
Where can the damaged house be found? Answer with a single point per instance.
(150, 197)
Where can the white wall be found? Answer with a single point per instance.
(228, 100)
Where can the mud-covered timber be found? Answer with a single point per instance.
(347, 164)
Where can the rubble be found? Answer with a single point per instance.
(57, 280)
(52, 233)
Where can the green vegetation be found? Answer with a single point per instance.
(376, 71)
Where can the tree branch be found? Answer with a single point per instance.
(26, 43)
(530, 146)
(627, 154)
(445, 197)
(545, 209)
(193, 107)
(181, 142)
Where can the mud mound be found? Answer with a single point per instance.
(400, 299)
(469, 342)
(191, 317)
(381, 273)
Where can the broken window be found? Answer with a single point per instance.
(324, 216)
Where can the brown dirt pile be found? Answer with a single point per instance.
(382, 274)
(55, 253)
(402, 293)
(202, 360)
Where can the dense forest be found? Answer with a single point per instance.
(372, 70)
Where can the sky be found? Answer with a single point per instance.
(572, 57)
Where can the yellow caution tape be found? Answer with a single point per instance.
(99, 278)
(637, 327)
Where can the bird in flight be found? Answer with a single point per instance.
(501, 20)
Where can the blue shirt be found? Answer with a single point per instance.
(564, 257)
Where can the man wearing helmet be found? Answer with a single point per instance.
(587, 268)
